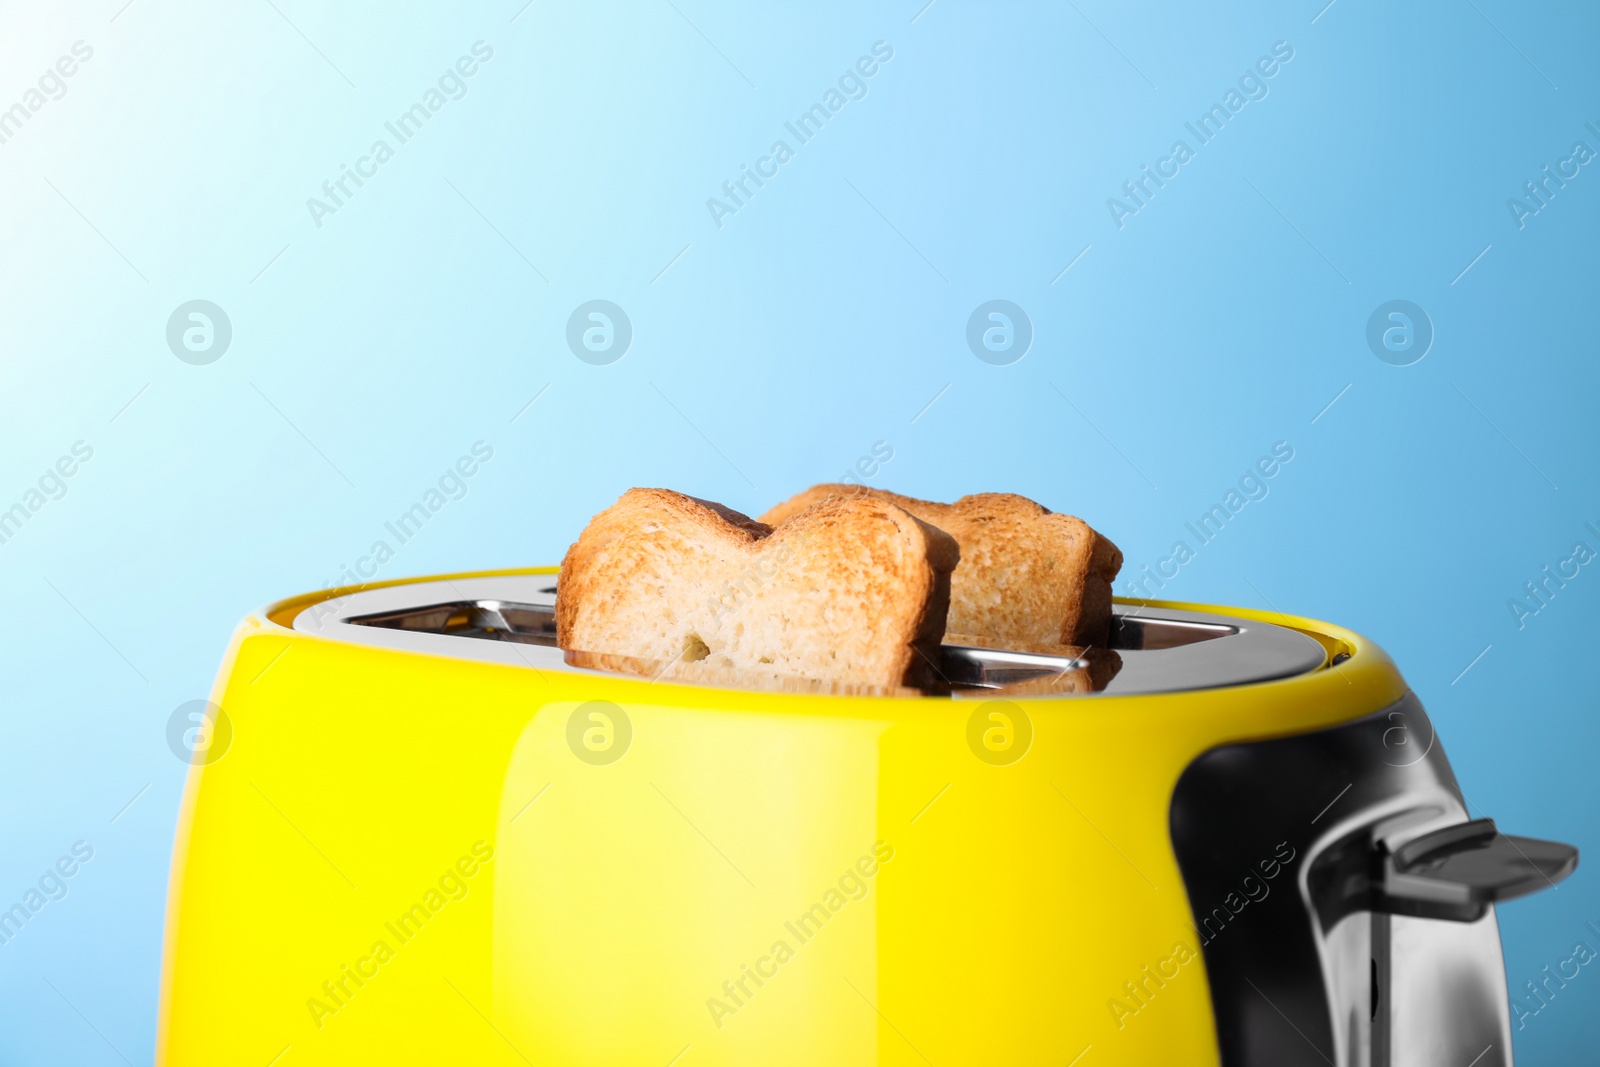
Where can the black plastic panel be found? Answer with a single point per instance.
(1317, 798)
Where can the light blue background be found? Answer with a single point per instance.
(776, 350)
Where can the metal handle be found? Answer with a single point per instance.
(1455, 873)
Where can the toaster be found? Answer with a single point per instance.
(416, 831)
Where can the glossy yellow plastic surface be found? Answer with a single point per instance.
(407, 859)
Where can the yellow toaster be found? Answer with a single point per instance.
(416, 832)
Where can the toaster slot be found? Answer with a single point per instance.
(1134, 633)
(493, 620)
(993, 668)
(961, 667)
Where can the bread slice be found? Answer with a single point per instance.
(697, 673)
(854, 591)
(1027, 574)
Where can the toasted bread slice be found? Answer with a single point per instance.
(697, 673)
(853, 592)
(1027, 574)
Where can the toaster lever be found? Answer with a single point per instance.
(1456, 872)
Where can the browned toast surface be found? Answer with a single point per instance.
(1027, 574)
(855, 591)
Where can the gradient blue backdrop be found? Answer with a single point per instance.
(773, 351)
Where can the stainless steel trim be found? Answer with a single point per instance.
(1164, 650)
(331, 618)
(511, 619)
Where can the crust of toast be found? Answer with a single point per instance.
(855, 591)
(1027, 574)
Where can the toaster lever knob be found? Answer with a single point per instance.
(1456, 872)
